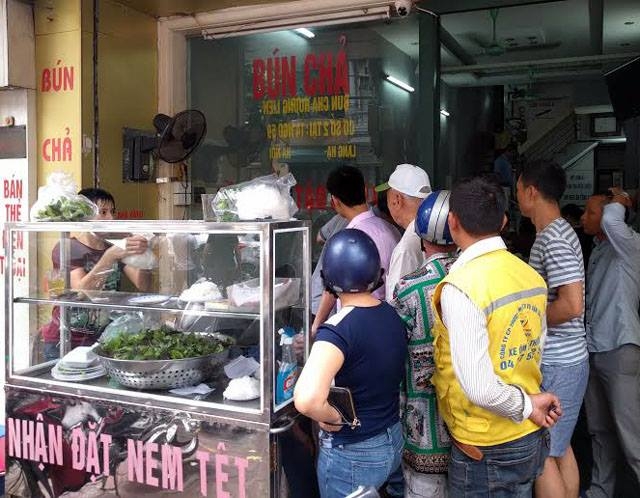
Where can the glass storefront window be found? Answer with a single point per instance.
(282, 101)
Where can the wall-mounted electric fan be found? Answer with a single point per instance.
(175, 139)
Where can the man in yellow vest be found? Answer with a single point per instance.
(488, 339)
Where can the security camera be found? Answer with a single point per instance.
(403, 7)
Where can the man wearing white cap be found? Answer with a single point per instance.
(407, 187)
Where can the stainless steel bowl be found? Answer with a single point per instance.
(162, 374)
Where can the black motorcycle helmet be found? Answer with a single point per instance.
(351, 263)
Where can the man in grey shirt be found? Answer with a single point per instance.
(612, 401)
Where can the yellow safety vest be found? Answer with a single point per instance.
(513, 297)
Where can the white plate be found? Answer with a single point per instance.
(77, 377)
(184, 304)
(149, 299)
(98, 296)
(67, 370)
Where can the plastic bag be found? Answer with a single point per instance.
(265, 197)
(145, 261)
(201, 290)
(58, 201)
(242, 389)
(248, 294)
(129, 323)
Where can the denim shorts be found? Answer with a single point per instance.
(342, 468)
(507, 470)
(569, 383)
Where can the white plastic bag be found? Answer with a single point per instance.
(58, 201)
(201, 290)
(265, 197)
(145, 261)
(248, 294)
(242, 389)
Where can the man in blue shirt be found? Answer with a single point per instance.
(612, 401)
(503, 166)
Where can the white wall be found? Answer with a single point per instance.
(20, 104)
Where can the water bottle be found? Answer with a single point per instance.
(288, 366)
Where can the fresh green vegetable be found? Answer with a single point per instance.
(161, 344)
(66, 209)
(224, 204)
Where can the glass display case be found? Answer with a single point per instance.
(200, 336)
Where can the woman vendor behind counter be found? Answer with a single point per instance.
(95, 264)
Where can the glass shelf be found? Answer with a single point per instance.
(122, 301)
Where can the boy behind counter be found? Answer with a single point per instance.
(94, 264)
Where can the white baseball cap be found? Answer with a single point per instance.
(408, 179)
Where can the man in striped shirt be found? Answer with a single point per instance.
(556, 255)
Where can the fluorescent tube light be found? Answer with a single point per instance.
(445, 113)
(240, 27)
(305, 32)
(400, 84)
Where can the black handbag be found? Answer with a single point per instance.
(342, 400)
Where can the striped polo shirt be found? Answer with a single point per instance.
(556, 255)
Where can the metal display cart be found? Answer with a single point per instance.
(69, 435)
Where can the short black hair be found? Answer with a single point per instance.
(572, 211)
(97, 194)
(479, 203)
(347, 184)
(547, 177)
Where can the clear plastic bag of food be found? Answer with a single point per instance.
(128, 323)
(58, 201)
(265, 197)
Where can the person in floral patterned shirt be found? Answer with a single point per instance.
(427, 443)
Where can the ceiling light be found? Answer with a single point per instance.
(400, 84)
(240, 26)
(305, 32)
(445, 113)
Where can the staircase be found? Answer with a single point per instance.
(560, 134)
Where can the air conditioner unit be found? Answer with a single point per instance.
(17, 45)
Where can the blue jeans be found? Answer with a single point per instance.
(507, 470)
(51, 351)
(342, 468)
